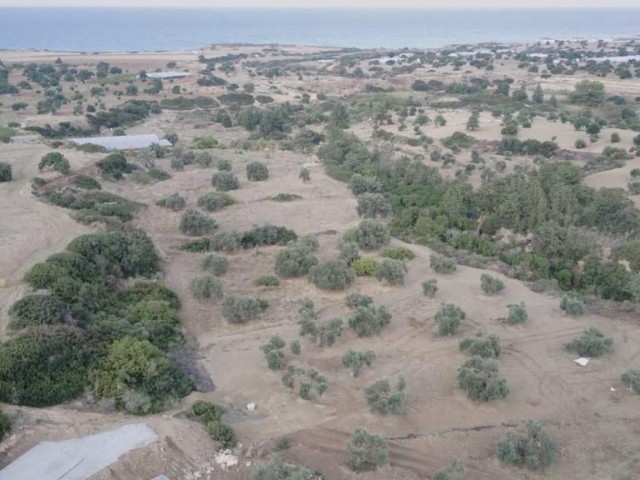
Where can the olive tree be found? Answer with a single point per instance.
(371, 235)
(532, 447)
(257, 171)
(206, 287)
(592, 343)
(481, 380)
(355, 360)
(391, 271)
(369, 320)
(491, 285)
(195, 223)
(367, 451)
(449, 317)
(373, 205)
(215, 264)
(242, 308)
(381, 398)
(224, 181)
(55, 160)
(6, 174)
(332, 275)
(295, 260)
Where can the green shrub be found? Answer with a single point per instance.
(397, 253)
(203, 159)
(222, 433)
(634, 188)
(114, 166)
(6, 174)
(491, 285)
(348, 251)
(360, 184)
(592, 343)
(195, 223)
(84, 181)
(356, 360)
(372, 235)
(173, 201)
(257, 171)
(323, 333)
(295, 260)
(201, 143)
(267, 234)
(453, 471)
(242, 308)
(572, 305)
(273, 352)
(227, 242)
(355, 300)
(215, 264)
(214, 201)
(391, 271)
(36, 309)
(43, 366)
(373, 205)
(285, 197)
(295, 347)
(277, 469)
(480, 379)
(367, 451)
(267, 281)
(158, 175)
(382, 399)
(631, 378)
(224, 181)
(305, 175)
(206, 287)
(580, 144)
(442, 264)
(331, 275)
(517, 314)
(485, 347)
(55, 160)
(449, 317)
(224, 165)
(368, 321)
(5, 425)
(365, 267)
(199, 245)
(430, 287)
(533, 447)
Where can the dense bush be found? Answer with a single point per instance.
(480, 379)
(55, 160)
(355, 300)
(242, 308)
(195, 223)
(533, 447)
(331, 275)
(373, 205)
(273, 351)
(631, 378)
(367, 451)
(442, 264)
(295, 260)
(517, 314)
(430, 287)
(214, 201)
(210, 415)
(173, 201)
(391, 271)
(43, 366)
(277, 469)
(323, 333)
(227, 242)
(224, 181)
(485, 347)
(36, 309)
(592, 343)
(491, 285)
(368, 321)
(267, 234)
(206, 287)
(449, 317)
(397, 253)
(6, 174)
(365, 267)
(348, 251)
(114, 166)
(257, 171)
(267, 281)
(86, 182)
(382, 399)
(355, 360)
(360, 184)
(572, 305)
(138, 376)
(5, 425)
(372, 235)
(215, 264)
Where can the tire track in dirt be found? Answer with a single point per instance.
(421, 463)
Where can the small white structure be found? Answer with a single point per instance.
(582, 361)
(125, 142)
(168, 75)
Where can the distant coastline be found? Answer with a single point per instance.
(163, 30)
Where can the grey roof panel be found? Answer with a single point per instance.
(127, 142)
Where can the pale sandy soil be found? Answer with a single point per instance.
(596, 427)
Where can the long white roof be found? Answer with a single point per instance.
(168, 74)
(126, 142)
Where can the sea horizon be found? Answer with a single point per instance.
(140, 29)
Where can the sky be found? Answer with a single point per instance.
(422, 4)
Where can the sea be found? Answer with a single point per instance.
(148, 29)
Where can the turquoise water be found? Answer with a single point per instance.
(113, 29)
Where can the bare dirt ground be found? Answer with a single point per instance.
(587, 410)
